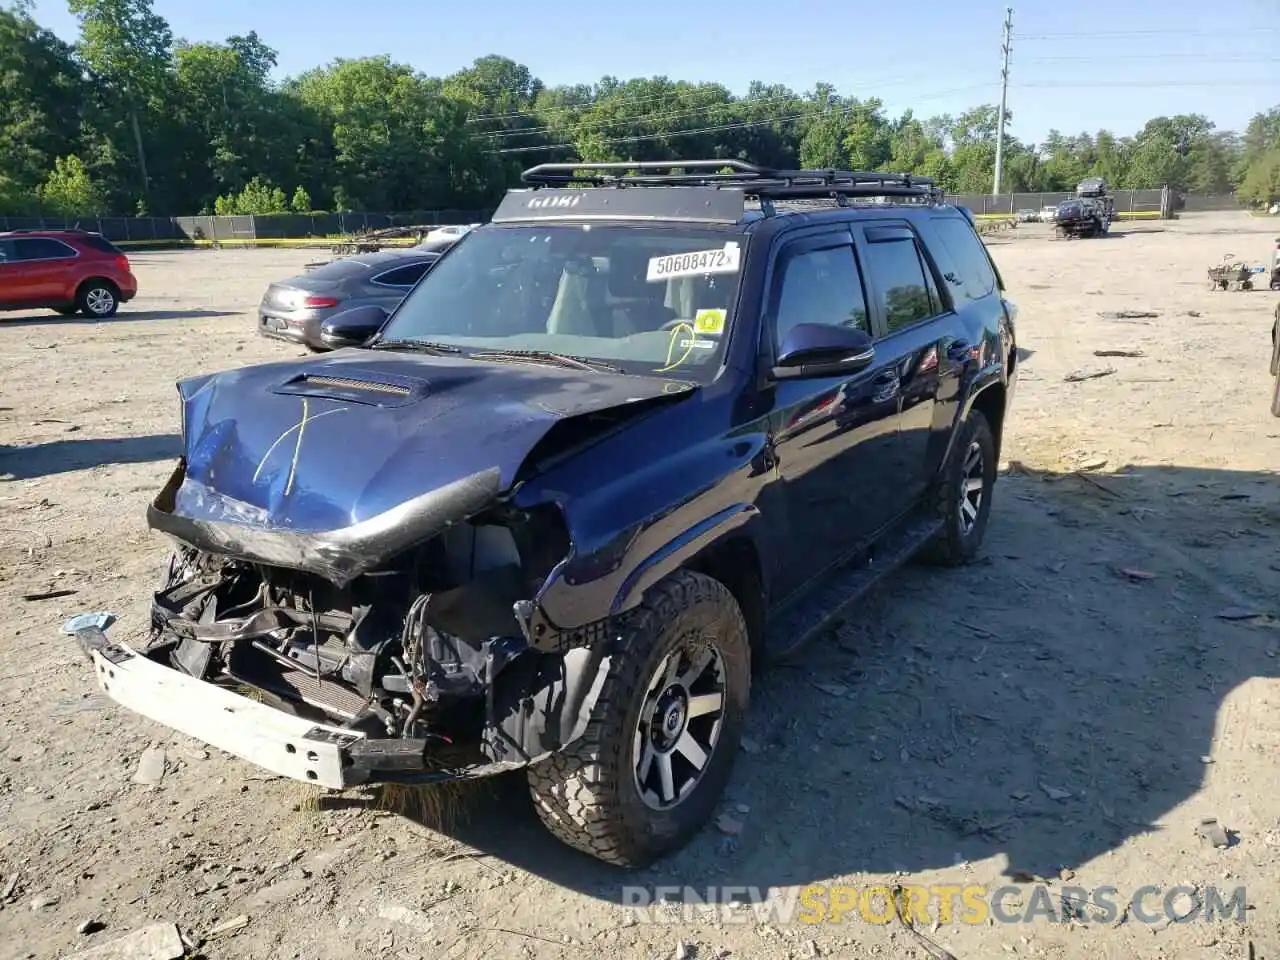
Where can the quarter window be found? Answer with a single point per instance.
(402, 276)
(821, 286)
(967, 253)
(903, 290)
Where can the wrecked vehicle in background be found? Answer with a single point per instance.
(613, 449)
(1089, 213)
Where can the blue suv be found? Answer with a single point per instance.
(653, 426)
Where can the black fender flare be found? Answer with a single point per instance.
(991, 376)
(677, 552)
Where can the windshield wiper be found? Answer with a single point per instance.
(546, 356)
(425, 346)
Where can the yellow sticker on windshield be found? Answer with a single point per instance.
(709, 321)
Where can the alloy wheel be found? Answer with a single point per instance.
(679, 725)
(99, 301)
(972, 488)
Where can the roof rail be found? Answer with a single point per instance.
(47, 230)
(763, 183)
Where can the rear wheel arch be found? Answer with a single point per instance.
(991, 403)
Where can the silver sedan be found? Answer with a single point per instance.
(294, 309)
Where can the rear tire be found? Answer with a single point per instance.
(604, 794)
(98, 299)
(963, 497)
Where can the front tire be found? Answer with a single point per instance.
(98, 299)
(660, 746)
(963, 497)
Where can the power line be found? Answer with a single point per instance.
(1104, 58)
(745, 125)
(1153, 84)
(1124, 34)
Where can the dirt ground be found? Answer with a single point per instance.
(1070, 708)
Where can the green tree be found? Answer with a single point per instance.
(301, 202)
(70, 192)
(128, 46)
(42, 95)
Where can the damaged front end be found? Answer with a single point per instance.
(404, 645)
(417, 670)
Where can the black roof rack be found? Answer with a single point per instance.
(763, 183)
(48, 230)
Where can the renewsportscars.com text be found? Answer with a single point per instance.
(937, 903)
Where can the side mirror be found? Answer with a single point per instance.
(353, 327)
(821, 350)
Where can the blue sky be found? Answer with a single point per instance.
(1173, 56)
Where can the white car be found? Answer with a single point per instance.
(453, 232)
(1049, 212)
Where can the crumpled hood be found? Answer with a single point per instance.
(328, 443)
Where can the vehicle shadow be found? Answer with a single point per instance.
(1018, 708)
(124, 316)
(64, 456)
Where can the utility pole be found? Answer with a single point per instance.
(1004, 95)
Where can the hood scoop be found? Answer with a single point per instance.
(379, 389)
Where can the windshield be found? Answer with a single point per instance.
(648, 300)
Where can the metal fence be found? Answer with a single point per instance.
(289, 226)
(286, 226)
(1126, 201)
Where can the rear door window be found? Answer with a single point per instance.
(41, 248)
(900, 280)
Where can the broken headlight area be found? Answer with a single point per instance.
(422, 657)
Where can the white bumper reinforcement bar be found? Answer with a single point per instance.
(286, 745)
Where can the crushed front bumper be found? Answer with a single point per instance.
(277, 741)
(286, 745)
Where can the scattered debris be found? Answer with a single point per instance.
(1077, 376)
(42, 900)
(832, 688)
(1020, 795)
(160, 941)
(150, 766)
(234, 925)
(1209, 829)
(1206, 759)
(1118, 353)
(90, 926)
(748, 745)
(1133, 574)
(931, 947)
(47, 595)
(1127, 314)
(683, 951)
(414, 919)
(728, 825)
(1055, 793)
(1192, 313)
(1066, 873)
(10, 885)
(85, 621)
(1238, 613)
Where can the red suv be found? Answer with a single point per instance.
(68, 271)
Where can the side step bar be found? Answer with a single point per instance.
(815, 610)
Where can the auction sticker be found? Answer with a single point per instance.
(696, 264)
(709, 321)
